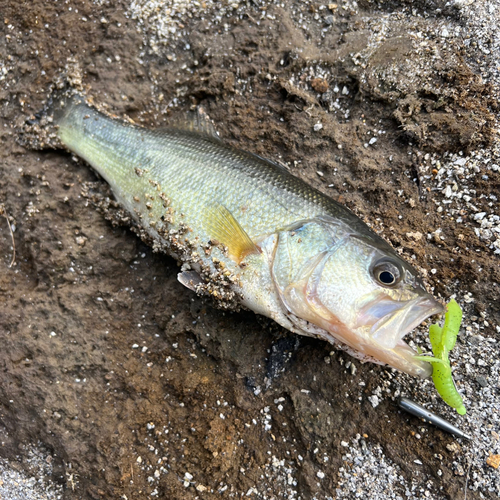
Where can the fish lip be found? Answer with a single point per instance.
(428, 307)
(404, 352)
(378, 332)
(387, 335)
(436, 308)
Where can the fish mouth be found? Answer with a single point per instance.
(376, 335)
(396, 321)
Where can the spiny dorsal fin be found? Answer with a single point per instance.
(196, 121)
(225, 229)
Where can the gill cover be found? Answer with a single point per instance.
(300, 255)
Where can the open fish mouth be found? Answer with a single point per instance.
(397, 319)
(391, 328)
(378, 332)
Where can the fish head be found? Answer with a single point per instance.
(352, 289)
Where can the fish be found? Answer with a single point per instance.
(250, 234)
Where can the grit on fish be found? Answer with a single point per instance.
(250, 233)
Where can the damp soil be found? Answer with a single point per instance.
(136, 387)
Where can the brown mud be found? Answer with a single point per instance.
(135, 387)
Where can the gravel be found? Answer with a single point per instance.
(368, 473)
(17, 485)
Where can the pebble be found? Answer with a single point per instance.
(319, 85)
(18, 485)
(417, 235)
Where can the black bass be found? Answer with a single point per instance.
(250, 233)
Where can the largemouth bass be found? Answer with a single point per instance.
(248, 232)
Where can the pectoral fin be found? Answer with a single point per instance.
(225, 229)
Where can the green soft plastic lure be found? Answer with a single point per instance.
(443, 340)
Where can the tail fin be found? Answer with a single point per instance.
(40, 131)
(60, 104)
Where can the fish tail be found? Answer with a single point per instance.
(62, 104)
(94, 136)
(70, 116)
(41, 130)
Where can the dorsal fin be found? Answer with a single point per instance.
(281, 166)
(225, 229)
(196, 121)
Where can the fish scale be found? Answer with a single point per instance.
(195, 171)
(248, 232)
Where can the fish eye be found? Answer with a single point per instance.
(387, 278)
(386, 273)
